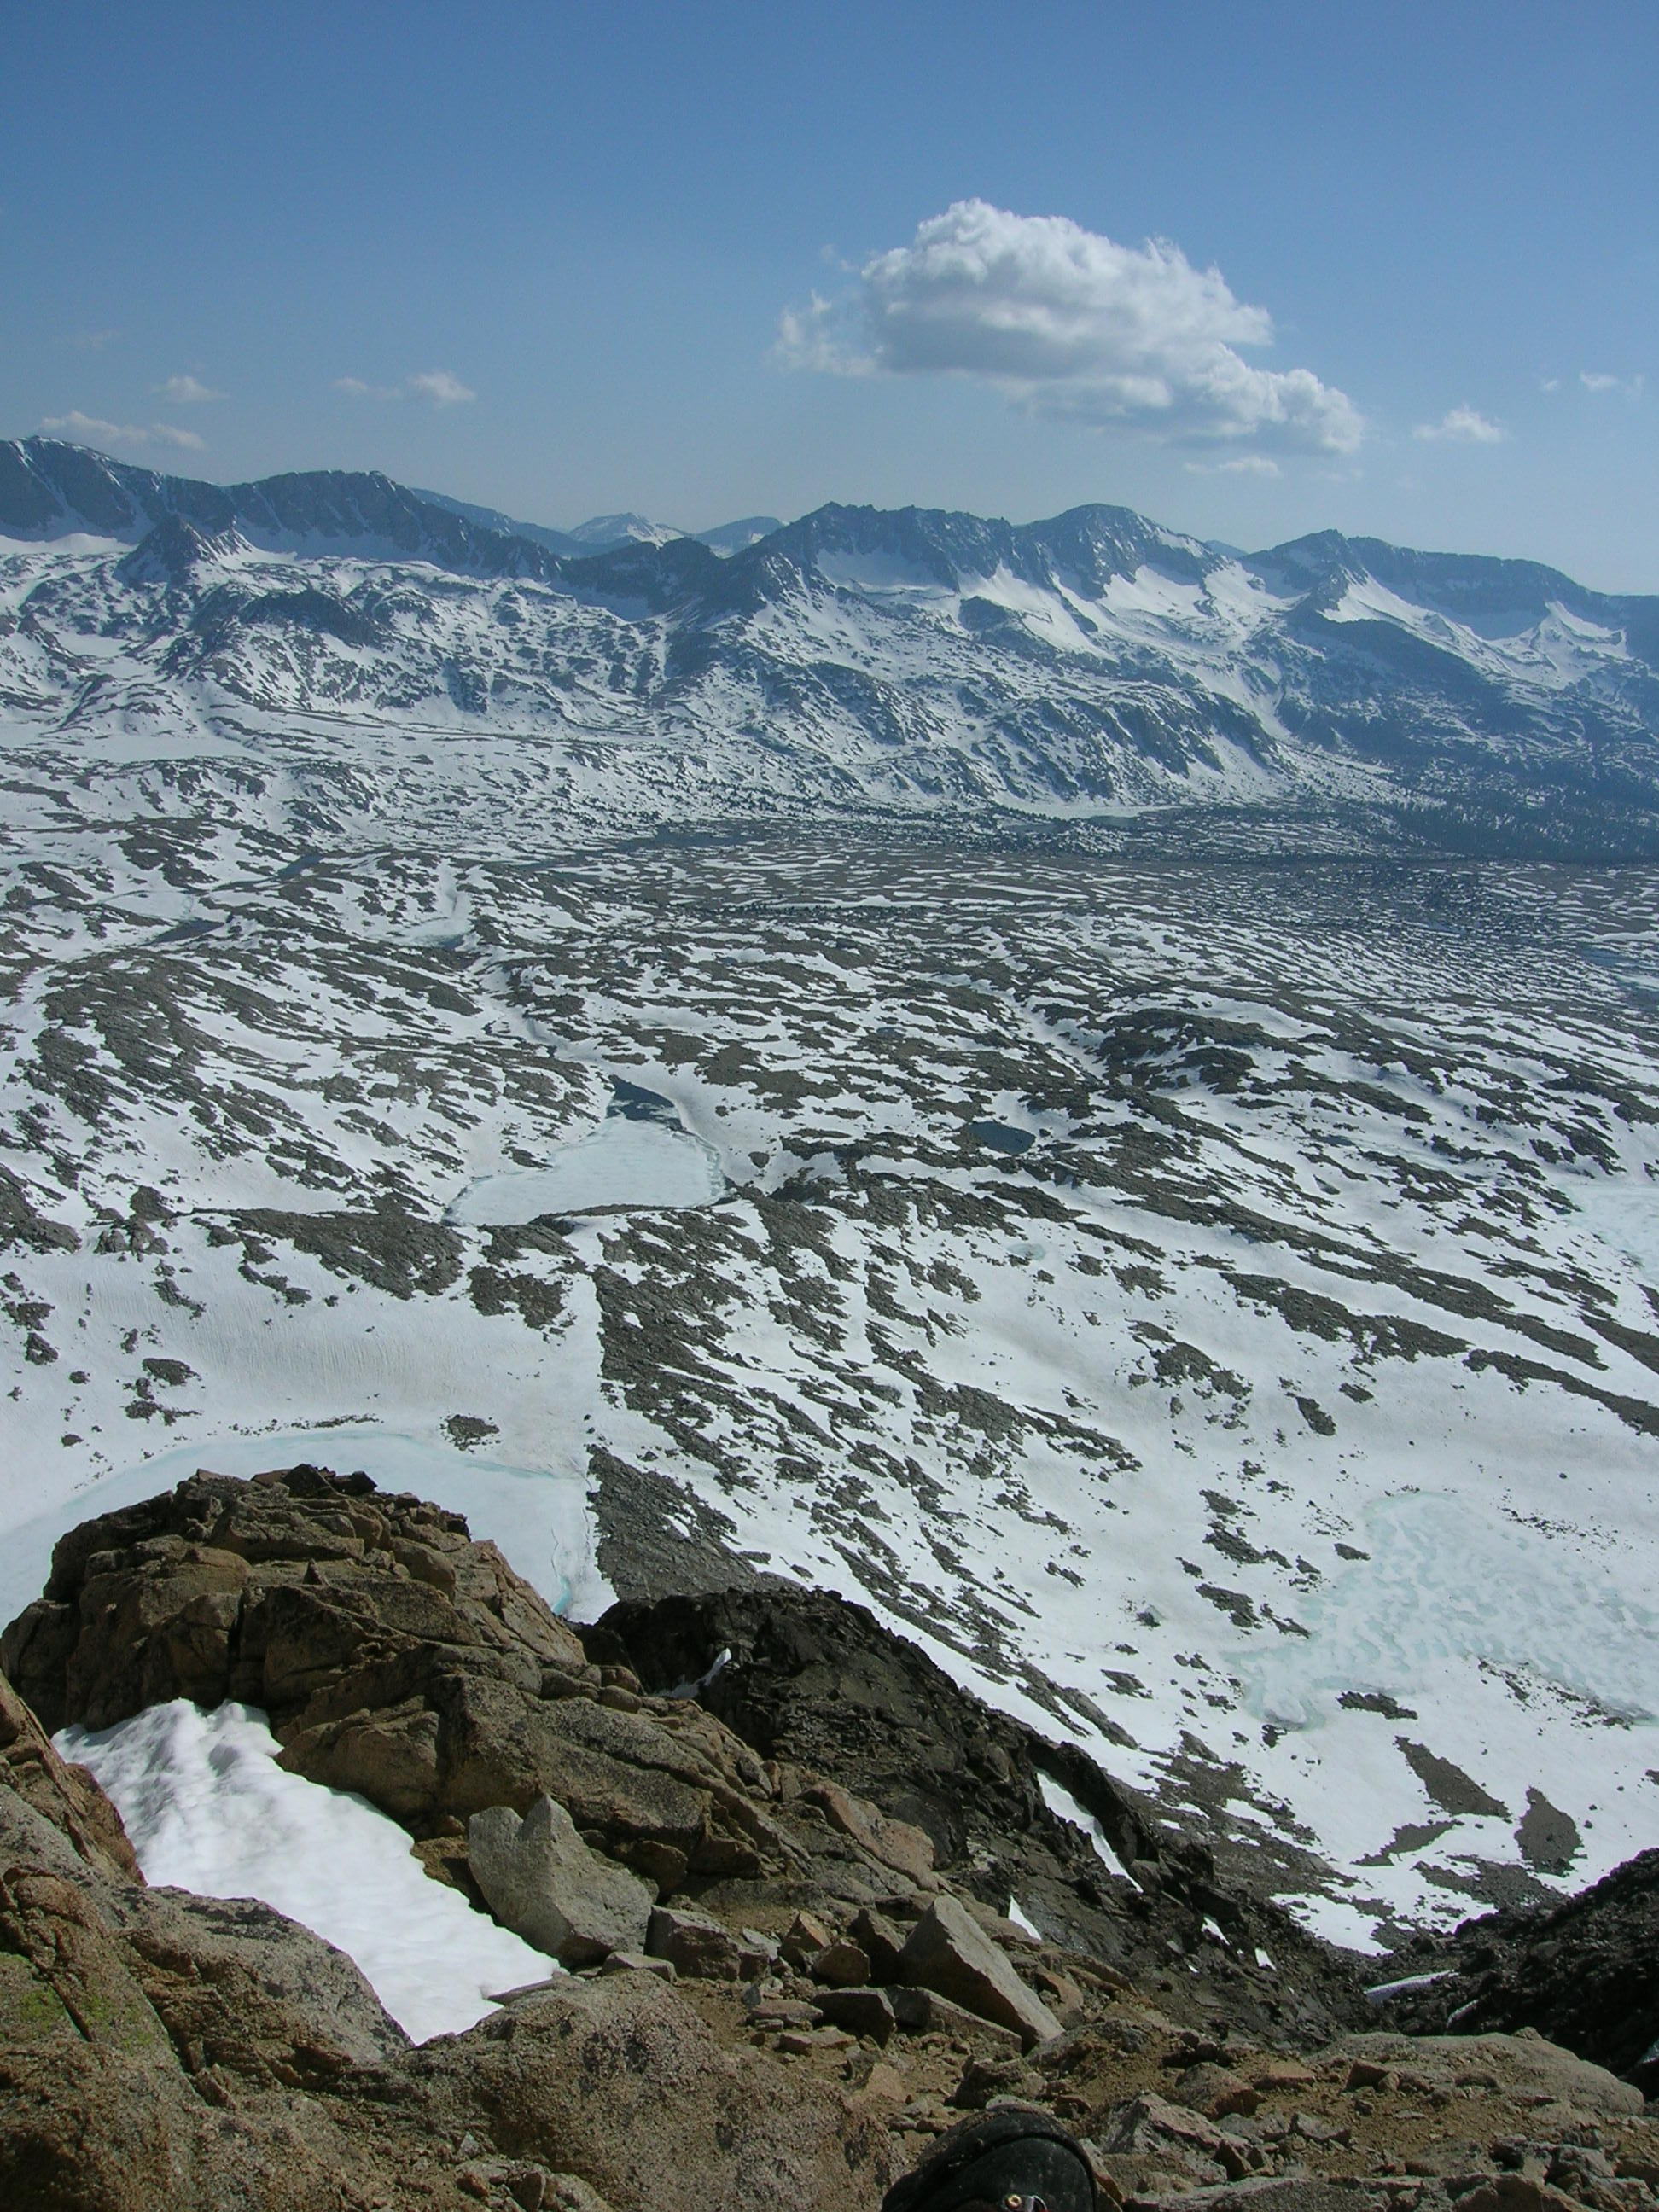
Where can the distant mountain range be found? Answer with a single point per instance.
(1093, 670)
(604, 533)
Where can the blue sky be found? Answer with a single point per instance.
(719, 257)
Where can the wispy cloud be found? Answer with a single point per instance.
(94, 341)
(93, 430)
(1068, 323)
(439, 386)
(185, 391)
(442, 389)
(1246, 464)
(1463, 426)
(1595, 380)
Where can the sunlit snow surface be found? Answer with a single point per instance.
(1061, 1801)
(209, 1809)
(1445, 1584)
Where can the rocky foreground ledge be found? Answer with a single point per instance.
(773, 1845)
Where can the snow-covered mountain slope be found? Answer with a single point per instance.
(1093, 672)
(781, 1041)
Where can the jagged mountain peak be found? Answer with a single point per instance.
(1480, 589)
(353, 511)
(914, 547)
(51, 489)
(1098, 541)
(606, 533)
(934, 544)
(917, 655)
(171, 552)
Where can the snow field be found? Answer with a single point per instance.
(1331, 1226)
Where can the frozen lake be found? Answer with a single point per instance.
(627, 1161)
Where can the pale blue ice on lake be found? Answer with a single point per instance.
(1444, 1584)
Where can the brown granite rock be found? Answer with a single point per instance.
(948, 1951)
(395, 1656)
(695, 1943)
(161, 2050)
(66, 1795)
(542, 1882)
(619, 2081)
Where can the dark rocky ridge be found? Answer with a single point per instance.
(1585, 1972)
(815, 1679)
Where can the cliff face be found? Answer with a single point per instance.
(804, 1831)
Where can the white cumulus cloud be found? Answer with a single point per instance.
(93, 430)
(1463, 426)
(185, 391)
(436, 386)
(1069, 324)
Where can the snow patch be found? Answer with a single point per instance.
(1065, 1807)
(209, 1809)
(1021, 1918)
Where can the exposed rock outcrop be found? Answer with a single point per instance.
(161, 2049)
(1585, 1972)
(65, 1795)
(949, 1952)
(394, 1656)
(814, 1682)
(210, 2055)
(621, 2081)
(826, 1760)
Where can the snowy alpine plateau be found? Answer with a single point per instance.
(1091, 1091)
